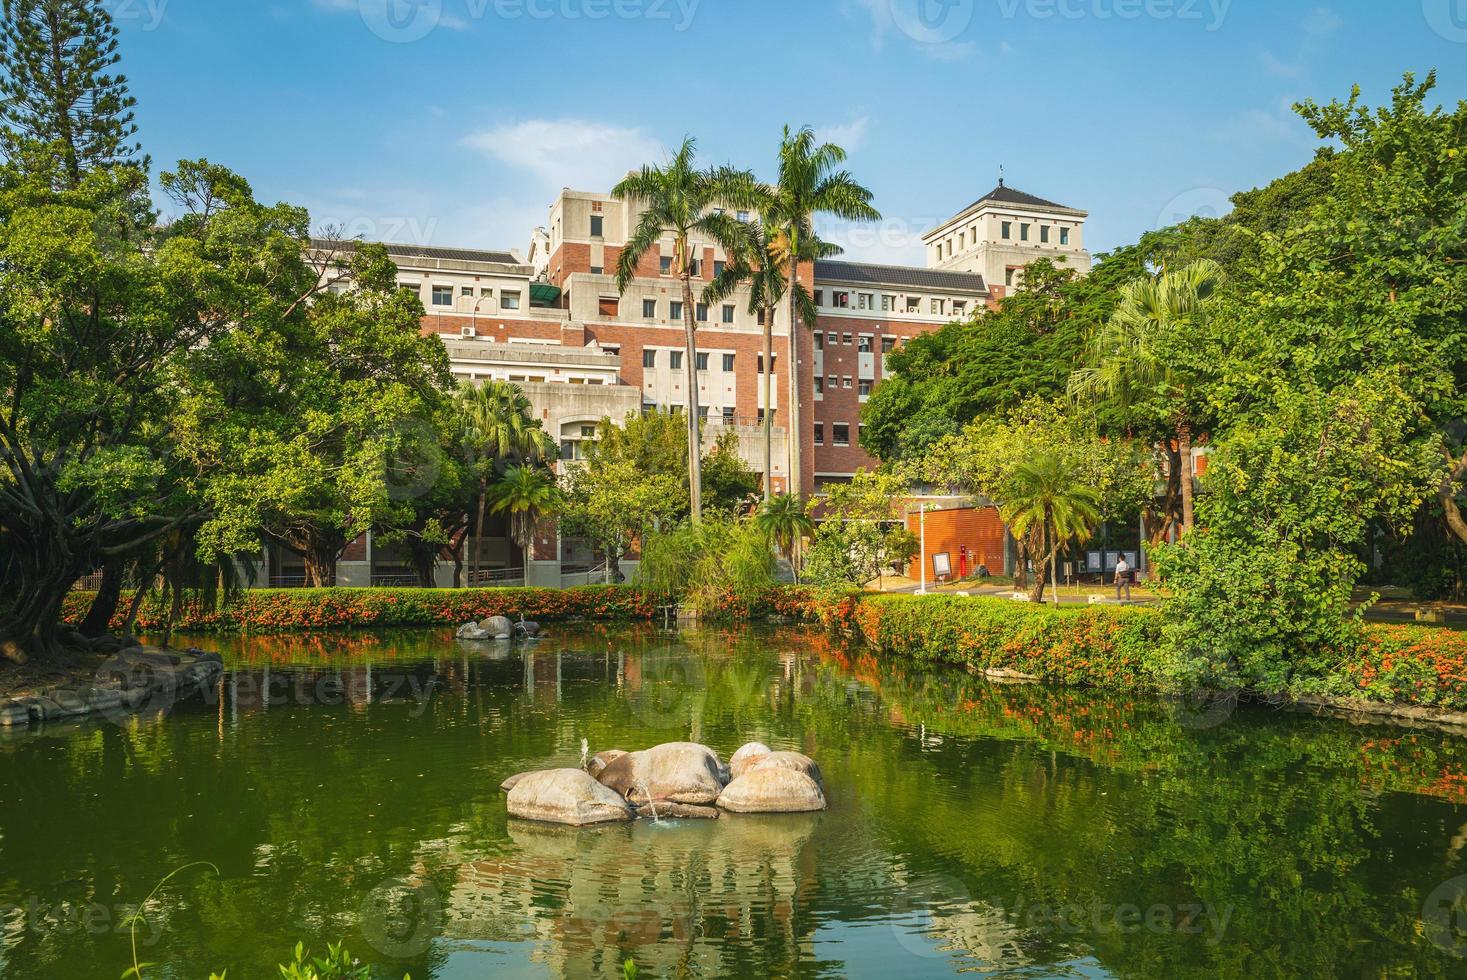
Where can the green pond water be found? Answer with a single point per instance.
(346, 788)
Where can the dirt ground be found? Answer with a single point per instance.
(36, 676)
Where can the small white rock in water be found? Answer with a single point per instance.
(471, 631)
(567, 796)
(790, 760)
(747, 754)
(772, 790)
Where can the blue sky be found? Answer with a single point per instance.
(455, 122)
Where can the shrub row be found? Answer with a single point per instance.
(280, 610)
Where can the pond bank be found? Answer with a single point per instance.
(130, 681)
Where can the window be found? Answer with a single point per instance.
(888, 344)
(728, 415)
(1007, 230)
(845, 382)
(696, 268)
(486, 292)
(819, 386)
(703, 413)
(675, 359)
(773, 413)
(886, 302)
(649, 308)
(863, 388)
(962, 241)
(649, 358)
(728, 313)
(675, 310)
(845, 338)
(664, 265)
(819, 297)
(702, 312)
(1024, 232)
(606, 305)
(410, 287)
(840, 300)
(1008, 277)
(597, 270)
(509, 300)
(819, 433)
(773, 363)
(819, 341)
(937, 305)
(832, 382)
(959, 307)
(728, 362)
(743, 216)
(840, 434)
(466, 291)
(864, 301)
(863, 344)
(1064, 236)
(596, 225)
(832, 339)
(442, 295)
(1044, 233)
(718, 266)
(914, 304)
(702, 362)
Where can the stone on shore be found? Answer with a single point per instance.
(772, 790)
(567, 796)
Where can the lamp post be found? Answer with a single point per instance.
(922, 530)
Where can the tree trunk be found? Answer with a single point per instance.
(1446, 494)
(99, 618)
(695, 440)
(1036, 587)
(1184, 449)
(796, 430)
(478, 556)
(768, 379)
(320, 560)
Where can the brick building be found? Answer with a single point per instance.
(554, 323)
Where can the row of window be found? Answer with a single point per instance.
(844, 299)
(727, 414)
(840, 433)
(664, 266)
(1006, 232)
(832, 383)
(863, 342)
(611, 306)
(509, 299)
(675, 360)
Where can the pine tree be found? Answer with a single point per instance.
(55, 57)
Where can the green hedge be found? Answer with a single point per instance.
(283, 610)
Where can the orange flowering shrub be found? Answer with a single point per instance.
(1411, 665)
(285, 610)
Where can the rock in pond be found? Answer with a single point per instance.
(512, 781)
(602, 759)
(772, 790)
(676, 772)
(746, 756)
(677, 811)
(498, 627)
(790, 760)
(472, 631)
(567, 796)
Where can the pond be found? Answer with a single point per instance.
(346, 787)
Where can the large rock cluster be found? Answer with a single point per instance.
(676, 779)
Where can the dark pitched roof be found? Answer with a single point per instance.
(1007, 195)
(429, 252)
(898, 275)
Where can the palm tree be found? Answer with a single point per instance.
(1047, 503)
(529, 494)
(1130, 357)
(759, 264)
(498, 427)
(680, 199)
(810, 184)
(783, 520)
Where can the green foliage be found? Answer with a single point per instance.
(337, 964)
(721, 568)
(847, 553)
(784, 521)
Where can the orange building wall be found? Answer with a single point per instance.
(980, 529)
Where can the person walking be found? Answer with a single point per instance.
(1123, 578)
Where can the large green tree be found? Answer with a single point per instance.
(498, 430)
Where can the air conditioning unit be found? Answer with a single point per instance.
(467, 332)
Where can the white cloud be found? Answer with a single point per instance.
(569, 152)
(1275, 65)
(851, 135)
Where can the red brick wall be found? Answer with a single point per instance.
(980, 529)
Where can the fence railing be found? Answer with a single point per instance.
(495, 577)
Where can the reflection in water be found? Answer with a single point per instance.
(346, 786)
